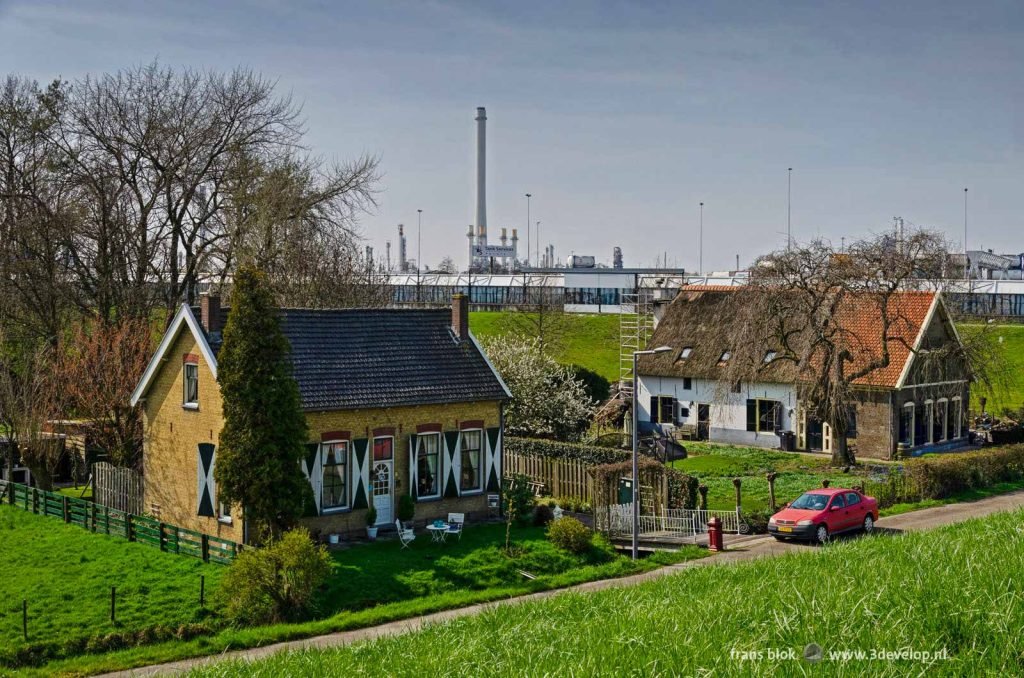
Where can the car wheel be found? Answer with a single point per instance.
(869, 524)
(821, 534)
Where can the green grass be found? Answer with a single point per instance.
(81, 492)
(66, 574)
(1012, 395)
(717, 465)
(381, 582)
(953, 589)
(586, 339)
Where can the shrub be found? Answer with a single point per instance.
(596, 386)
(682, 489)
(518, 499)
(587, 453)
(941, 476)
(757, 520)
(571, 535)
(542, 515)
(371, 516)
(275, 583)
(406, 508)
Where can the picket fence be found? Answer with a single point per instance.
(117, 487)
(105, 520)
(560, 477)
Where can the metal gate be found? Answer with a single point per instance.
(617, 521)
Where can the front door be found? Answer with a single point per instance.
(703, 421)
(383, 480)
(814, 435)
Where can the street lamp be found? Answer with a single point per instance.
(636, 453)
(419, 239)
(528, 252)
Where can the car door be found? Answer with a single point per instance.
(857, 507)
(838, 520)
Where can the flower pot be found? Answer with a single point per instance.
(333, 539)
(371, 533)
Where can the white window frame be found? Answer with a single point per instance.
(440, 456)
(480, 470)
(322, 451)
(912, 406)
(185, 402)
(958, 427)
(224, 513)
(929, 417)
(945, 418)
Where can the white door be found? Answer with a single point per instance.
(382, 478)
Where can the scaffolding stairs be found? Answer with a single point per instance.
(636, 325)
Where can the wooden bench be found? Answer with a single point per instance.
(685, 432)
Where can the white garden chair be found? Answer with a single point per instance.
(405, 534)
(456, 521)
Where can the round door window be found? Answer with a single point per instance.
(381, 479)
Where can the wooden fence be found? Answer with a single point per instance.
(105, 520)
(560, 477)
(116, 487)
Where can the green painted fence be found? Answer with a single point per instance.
(104, 520)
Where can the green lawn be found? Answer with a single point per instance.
(80, 492)
(381, 582)
(586, 339)
(66, 573)
(1011, 339)
(717, 465)
(950, 591)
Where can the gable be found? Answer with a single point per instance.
(184, 321)
(939, 333)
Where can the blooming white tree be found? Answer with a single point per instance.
(547, 400)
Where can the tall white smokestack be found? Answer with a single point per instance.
(481, 171)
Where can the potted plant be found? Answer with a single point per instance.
(371, 523)
(406, 508)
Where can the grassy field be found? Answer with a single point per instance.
(589, 340)
(949, 592)
(66, 573)
(717, 465)
(1011, 339)
(381, 582)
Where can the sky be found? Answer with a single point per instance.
(618, 117)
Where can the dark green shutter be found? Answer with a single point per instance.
(205, 473)
(751, 415)
(413, 461)
(451, 486)
(359, 499)
(493, 485)
(312, 449)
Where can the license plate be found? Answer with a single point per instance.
(785, 529)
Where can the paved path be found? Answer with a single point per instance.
(743, 549)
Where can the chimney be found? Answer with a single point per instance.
(481, 172)
(460, 316)
(209, 313)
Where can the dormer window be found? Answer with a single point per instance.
(724, 358)
(190, 397)
(770, 356)
(686, 353)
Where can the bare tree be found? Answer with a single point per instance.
(830, 321)
(27, 402)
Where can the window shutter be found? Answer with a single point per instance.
(493, 459)
(204, 473)
(451, 483)
(751, 415)
(361, 473)
(313, 466)
(414, 450)
(654, 411)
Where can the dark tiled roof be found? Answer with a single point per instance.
(346, 359)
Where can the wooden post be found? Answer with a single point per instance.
(205, 542)
(106, 519)
(771, 489)
(702, 489)
(556, 479)
(113, 604)
(825, 482)
(35, 501)
(64, 503)
(129, 533)
(736, 483)
(162, 537)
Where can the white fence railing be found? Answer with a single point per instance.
(118, 488)
(617, 520)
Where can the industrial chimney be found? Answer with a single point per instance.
(481, 172)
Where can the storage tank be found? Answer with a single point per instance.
(579, 261)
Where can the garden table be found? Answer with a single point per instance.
(438, 532)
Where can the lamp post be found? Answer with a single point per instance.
(700, 243)
(636, 453)
(789, 209)
(528, 252)
(419, 239)
(538, 243)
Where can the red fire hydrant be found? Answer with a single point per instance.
(715, 535)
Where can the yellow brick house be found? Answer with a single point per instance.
(397, 401)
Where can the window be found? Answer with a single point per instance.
(770, 356)
(662, 409)
(223, 512)
(687, 384)
(190, 398)
(724, 358)
(764, 416)
(852, 498)
(383, 448)
(941, 420)
(957, 425)
(927, 421)
(471, 477)
(921, 417)
(838, 501)
(907, 425)
(428, 468)
(334, 489)
(686, 353)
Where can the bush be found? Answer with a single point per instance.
(682, 489)
(944, 475)
(757, 521)
(587, 453)
(275, 583)
(518, 499)
(571, 535)
(406, 508)
(596, 386)
(542, 515)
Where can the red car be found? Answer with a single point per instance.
(819, 514)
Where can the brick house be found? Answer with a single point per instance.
(397, 401)
(898, 408)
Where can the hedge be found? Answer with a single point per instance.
(941, 476)
(588, 454)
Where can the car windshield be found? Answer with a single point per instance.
(813, 502)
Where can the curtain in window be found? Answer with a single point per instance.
(428, 466)
(334, 489)
(469, 478)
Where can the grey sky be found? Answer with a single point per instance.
(618, 117)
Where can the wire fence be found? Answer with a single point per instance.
(105, 520)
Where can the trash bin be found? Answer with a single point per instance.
(787, 441)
